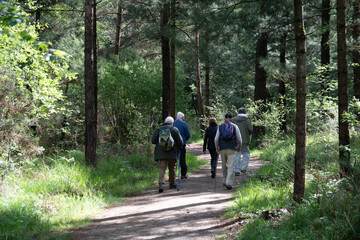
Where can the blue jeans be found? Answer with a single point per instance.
(242, 158)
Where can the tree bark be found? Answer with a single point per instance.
(165, 51)
(282, 89)
(90, 75)
(207, 85)
(198, 83)
(172, 60)
(325, 49)
(118, 30)
(344, 137)
(207, 73)
(300, 148)
(260, 92)
(356, 51)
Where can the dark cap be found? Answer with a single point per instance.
(228, 116)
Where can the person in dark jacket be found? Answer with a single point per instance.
(185, 134)
(209, 143)
(167, 158)
(243, 157)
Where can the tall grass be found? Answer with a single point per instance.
(331, 207)
(65, 192)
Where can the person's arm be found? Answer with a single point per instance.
(216, 139)
(206, 137)
(187, 132)
(238, 136)
(250, 127)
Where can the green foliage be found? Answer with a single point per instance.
(321, 105)
(331, 206)
(11, 15)
(30, 96)
(268, 115)
(130, 96)
(352, 116)
(256, 196)
(63, 191)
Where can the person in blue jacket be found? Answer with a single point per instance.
(209, 143)
(185, 134)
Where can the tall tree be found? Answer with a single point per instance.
(325, 45)
(356, 49)
(91, 88)
(207, 75)
(282, 88)
(118, 29)
(165, 51)
(344, 136)
(198, 83)
(300, 149)
(172, 58)
(260, 92)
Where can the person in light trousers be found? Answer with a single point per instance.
(227, 148)
(243, 157)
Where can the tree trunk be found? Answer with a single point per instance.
(172, 60)
(344, 137)
(118, 30)
(260, 92)
(207, 75)
(356, 51)
(165, 50)
(300, 148)
(325, 49)
(282, 89)
(207, 86)
(90, 75)
(198, 83)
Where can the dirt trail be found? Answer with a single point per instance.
(193, 212)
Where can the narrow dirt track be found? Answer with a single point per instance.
(193, 212)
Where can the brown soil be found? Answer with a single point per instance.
(192, 212)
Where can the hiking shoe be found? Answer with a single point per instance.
(173, 186)
(161, 187)
(228, 187)
(237, 174)
(185, 177)
(213, 174)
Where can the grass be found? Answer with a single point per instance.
(196, 136)
(331, 207)
(63, 193)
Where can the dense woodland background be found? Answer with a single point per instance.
(98, 77)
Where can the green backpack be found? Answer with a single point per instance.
(166, 141)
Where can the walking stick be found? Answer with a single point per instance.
(179, 172)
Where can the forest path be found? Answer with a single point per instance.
(193, 212)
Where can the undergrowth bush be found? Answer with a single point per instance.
(62, 191)
(331, 207)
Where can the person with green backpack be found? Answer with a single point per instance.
(168, 143)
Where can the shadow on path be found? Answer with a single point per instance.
(193, 212)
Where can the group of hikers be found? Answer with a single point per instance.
(230, 140)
